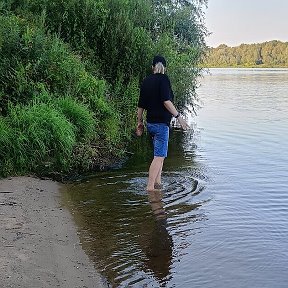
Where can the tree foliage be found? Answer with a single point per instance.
(267, 54)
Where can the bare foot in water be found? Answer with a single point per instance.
(158, 186)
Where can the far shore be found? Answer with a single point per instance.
(39, 242)
(244, 67)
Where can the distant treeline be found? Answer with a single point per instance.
(70, 73)
(268, 54)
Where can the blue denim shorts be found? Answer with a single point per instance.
(160, 136)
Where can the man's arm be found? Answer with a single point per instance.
(171, 108)
(140, 126)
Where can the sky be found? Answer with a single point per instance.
(233, 22)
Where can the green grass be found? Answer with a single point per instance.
(39, 136)
(79, 115)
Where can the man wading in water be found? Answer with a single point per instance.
(156, 97)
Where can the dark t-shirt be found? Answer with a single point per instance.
(155, 89)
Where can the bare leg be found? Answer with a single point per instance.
(158, 178)
(154, 170)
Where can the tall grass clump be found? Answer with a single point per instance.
(80, 116)
(6, 136)
(43, 138)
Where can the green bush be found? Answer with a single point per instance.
(80, 116)
(41, 136)
(127, 99)
(5, 138)
(38, 59)
(70, 74)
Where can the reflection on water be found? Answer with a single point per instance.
(134, 237)
(158, 245)
(155, 199)
(221, 219)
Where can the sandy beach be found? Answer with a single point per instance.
(39, 243)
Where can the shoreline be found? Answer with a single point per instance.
(39, 244)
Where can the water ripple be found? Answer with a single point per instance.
(221, 218)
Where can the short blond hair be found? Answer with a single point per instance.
(159, 68)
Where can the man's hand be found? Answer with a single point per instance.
(184, 125)
(171, 108)
(139, 129)
(140, 125)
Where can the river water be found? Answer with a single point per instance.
(221, 219)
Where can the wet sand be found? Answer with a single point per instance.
(39, 244)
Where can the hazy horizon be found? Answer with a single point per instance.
(234, 22)
(248, 43)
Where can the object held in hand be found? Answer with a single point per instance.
(184, 125)
(139, 130)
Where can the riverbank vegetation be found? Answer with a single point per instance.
(267, 54)
(70, 73)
